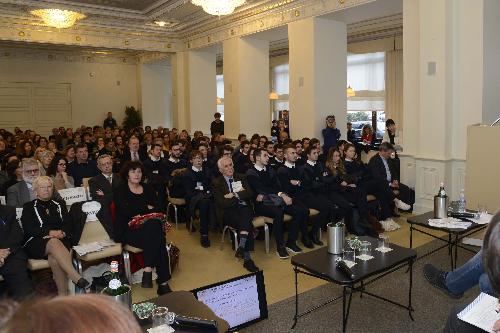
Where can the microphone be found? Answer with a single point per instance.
(342, 266)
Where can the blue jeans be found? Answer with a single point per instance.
(470, 274)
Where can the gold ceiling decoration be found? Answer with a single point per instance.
(58, 18)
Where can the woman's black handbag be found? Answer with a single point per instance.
(273, 200)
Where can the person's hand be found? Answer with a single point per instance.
(496, 326)
(99, 193)
(64, 176)
(344, 183)
(56, 234)
(150, 207)
(286, 199)
(259, 198)
(295, 182)
(4, 253)
(352, 185)
(395, 184)
(229, 195)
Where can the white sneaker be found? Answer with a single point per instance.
(390, 225)
(401, 205)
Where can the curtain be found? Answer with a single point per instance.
(394, 87)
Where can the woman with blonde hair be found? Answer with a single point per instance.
(70, 314)
(46, 225)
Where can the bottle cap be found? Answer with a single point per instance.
(114, 266)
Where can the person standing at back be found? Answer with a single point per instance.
(330, 134)
(109, 122)
(217, 126)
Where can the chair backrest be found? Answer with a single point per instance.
(93, 231)
(85, 184)
(72, 195)
(2, 200)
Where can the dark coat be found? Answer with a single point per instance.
(377, 168)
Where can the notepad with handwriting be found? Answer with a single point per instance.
(481, 312)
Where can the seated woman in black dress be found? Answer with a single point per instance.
(133, 198)
(46, 225)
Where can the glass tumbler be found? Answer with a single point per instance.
(160, 316)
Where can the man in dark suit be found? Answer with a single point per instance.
(381, 167)
(278, 159)
(134, 153)
(101, 189)
(233, 196)
(217, 126)
(82, 167)
(109, 122)
(22, 192)
(175, 162)
(241, 159)
(351, 134)
(156, 173)
(198, 188)
(12, 257)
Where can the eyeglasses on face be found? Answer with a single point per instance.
(32, 171)
(61, 164)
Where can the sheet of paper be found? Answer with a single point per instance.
(364, 257)
(383, 249)
(485, 218)
(481, 312)
(161, 329)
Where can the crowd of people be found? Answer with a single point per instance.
(133, 172)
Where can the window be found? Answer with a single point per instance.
(220, 95)
(366, 75)
(279, 83)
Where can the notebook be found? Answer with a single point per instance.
(482, 312)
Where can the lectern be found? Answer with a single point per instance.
(482, 173)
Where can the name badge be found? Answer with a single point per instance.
(72, 195)
(199, 186)
(155, 171)
(237, 186)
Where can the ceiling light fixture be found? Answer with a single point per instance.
(273, 95)
(58, 18)
(161, 23)
(218, 7)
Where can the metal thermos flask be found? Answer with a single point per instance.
(440, 207)
(336, 234)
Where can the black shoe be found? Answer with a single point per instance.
(239, 253)
(314, 237)
(250, 266)
(437, 278)
(147, 280)
(292, 247)
(307, 243)
(163, 289)
(82, 283)
(205, 241)
(281, 252)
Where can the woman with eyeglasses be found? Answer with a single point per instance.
(57, 171)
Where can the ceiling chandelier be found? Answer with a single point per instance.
(218, 7)
(58, 18)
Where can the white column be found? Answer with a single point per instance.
(194, 92)
(156, 94)
(246, 87)
(443, 92)
(318, 75)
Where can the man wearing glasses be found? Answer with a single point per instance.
(22, 192)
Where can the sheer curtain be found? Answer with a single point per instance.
(220, 94)
(365, 74)
(394, 86)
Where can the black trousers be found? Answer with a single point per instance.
(357, 197)
(15, 274)
(300, 213)
(207, 214)
(151, 239)
(323, 205)
(385, 197)
(406, 194)
(239, 217)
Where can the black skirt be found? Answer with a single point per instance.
(36, 247)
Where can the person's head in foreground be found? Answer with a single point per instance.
(70, 314)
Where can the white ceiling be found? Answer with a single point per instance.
(369, 11)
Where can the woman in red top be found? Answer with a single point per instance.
(367, 134)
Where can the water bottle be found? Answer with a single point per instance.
(462, 203)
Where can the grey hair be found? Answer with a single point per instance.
(100, 157)
(44, 153)
(26, 162)
(219, 162)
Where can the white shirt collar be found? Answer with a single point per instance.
(278, 160)
(259, 168)
(154, 159)
(106, 176)
(311, 163)
(195, 169)
(289, 165)
(173, 160)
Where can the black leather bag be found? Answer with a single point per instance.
(273, 200)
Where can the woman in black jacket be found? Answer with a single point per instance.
(46, 226)
(133, 198)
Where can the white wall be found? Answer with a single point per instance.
(156, 94)
(92, 96)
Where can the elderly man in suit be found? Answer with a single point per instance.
(22, 192)
(101, 189)
(12, 257)
(134, 152)
(382, 166)
(233, 196)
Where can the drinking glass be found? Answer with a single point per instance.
(160, 316)
(366, 248)
(383, 241)
(349, 256)
(482, 209)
